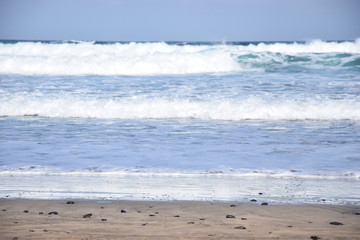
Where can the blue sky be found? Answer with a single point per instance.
(180, 20)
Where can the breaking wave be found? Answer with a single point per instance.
(91, 58)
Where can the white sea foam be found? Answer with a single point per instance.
(85, 58)
(251, 108)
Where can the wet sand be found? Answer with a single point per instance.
(80, 219)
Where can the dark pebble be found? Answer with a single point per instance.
(151, 215)
(70, 202)
(156, 212)
(87, 215)
(264, 204)
(53, 213)
(230, 216)
(202, 219)
(144, 224)
(358, 213)
(336, 223)
(15, 238)
(289, 226)
(102, 207)
(314, 237)
(253, 200)
(177, 216)
(45, 230)
(4, 210)
(26, 211)
(190, 223)
(240, 227)
(243, 218)
(260, 193)
(31, 230)
(233, 205)
(104, 220)
(123, 211)
(41, 213)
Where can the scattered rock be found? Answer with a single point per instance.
(156, 212)
(232, 205)
(104, 220)
(202, 219)
(144, 224)
(41, 213)
(45, 230)
(102, 207)
(260, 193)
(314, 237)
(89, 215)
(190, 223)
(53, 213)
(123, 211)
(357, 213)
(264, 204)
(31, 230)
(253, 200)
(243, 218)
(70, 202)
(289, 226)
(240, 227)
(230, 216)
(151, 215)
(15, 238)
(4, 210)
(336, 223)
(26, 211)
(177, 216)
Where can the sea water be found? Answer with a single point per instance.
(181, 121)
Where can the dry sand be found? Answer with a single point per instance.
(30, 219)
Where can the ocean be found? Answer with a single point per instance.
(229, 121)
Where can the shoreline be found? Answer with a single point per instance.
(120, 219)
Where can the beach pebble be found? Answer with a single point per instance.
(230, 216)
(240, 227)
(26, 211)
(123, 211)
(264, 204)
(151, 215)
(253, 200)
(87, 215)
(243, 218)
(357, 213)
(191, 223)
(53, 213)
(314, 237)
(70, 202)
(336, 223)
(177, 216)
(41, 213)
(232, 205)
(202, 219)
(104, 220)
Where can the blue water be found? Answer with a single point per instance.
(237, 109)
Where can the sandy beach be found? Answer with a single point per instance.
(80, 219)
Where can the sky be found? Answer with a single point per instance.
(180, 20)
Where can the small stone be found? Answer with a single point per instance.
(243, 218)
(240, 227)
(253, 200)
(260, 193)
(41, 213)
(230, 216)
(53, 213)
(314, 237)
(336, 223)
(264, 204)
(45, 230)
(26, 211)
(202, 219)
(104, 220)
(232, 205)
(4, 210)
(87, 215)
(151, 215)
(357, 213)
(123, 211)
(70, 202)
(31, 230)
(289, 226)
(190, 223)
(177, 216)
